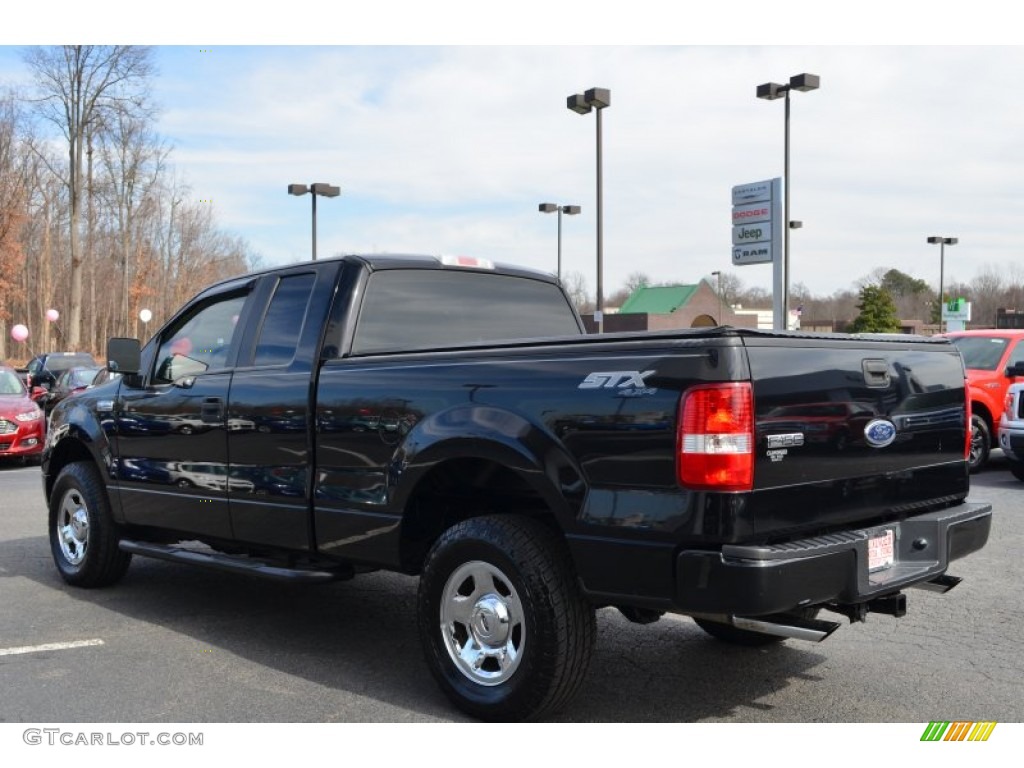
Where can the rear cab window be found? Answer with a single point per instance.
(417, 309)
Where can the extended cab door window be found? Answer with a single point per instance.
(279, 335)
(268, 413)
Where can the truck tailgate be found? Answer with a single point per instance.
(849, 432)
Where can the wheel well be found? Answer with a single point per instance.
(66, 452)
(460, 489)
(980, 409)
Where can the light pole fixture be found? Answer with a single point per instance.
(581, 103)
(770, 92)
(718, 273)
(323, 190)
(571, 210)
(942, 243)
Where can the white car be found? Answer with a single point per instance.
(1011, 429)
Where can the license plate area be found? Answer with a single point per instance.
(881, 549)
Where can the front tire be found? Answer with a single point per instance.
(981, 443)
(507, 633)
(83, 535)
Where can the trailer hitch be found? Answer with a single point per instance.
(890, 605)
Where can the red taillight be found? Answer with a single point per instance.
(715, 440)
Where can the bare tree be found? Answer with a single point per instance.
(13, 212)
(575, 285)
(637, 280)
(731, 287)
(132, 161)
(79, 86)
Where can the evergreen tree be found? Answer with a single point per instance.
(877, 312)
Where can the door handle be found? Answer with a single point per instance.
(211, 411)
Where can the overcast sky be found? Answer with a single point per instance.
(450, 148)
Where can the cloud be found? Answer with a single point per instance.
(451, 149)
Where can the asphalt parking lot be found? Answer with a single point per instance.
(173, 644)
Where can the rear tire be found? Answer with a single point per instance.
(507, 633)
(981, 443)
(83, 536)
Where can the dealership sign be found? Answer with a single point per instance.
(756, 222)
(956, 309)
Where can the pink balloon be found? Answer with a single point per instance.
(181, 346)
(52, 315)
(19, 332)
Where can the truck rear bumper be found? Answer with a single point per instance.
(759, 580)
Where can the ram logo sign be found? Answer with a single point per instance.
(627, 383)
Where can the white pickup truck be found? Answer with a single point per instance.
(1011, 430)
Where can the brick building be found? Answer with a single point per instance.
(665, 307)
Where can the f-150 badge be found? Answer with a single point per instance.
(628, 383)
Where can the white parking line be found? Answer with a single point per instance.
(49, 647)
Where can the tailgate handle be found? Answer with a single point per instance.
(876, 373)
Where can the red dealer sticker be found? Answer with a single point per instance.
(881, 551)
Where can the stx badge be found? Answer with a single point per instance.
(629, 383)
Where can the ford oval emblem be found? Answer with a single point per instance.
(880, 433)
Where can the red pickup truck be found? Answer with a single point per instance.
(994, 359)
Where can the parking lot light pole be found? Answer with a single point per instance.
(582, 103)
(323, 190)
(942, 242)
(571, 210)
(770, 92)
(718, 273)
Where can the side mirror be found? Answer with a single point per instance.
(124, 355)
(1017, 369)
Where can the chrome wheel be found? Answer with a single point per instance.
(482, 623)
(73, 527)
(981, 444)
(977, 446)
(84, 539)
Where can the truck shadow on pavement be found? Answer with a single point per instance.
(360, 637)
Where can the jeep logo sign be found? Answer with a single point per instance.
(753, 233)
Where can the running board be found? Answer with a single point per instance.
(814, 630)
(231, 563)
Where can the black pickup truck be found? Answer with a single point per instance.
(449, 418)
